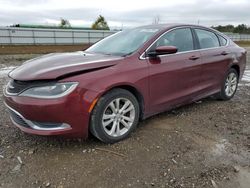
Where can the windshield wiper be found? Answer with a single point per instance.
(107, 54)
(127, 54)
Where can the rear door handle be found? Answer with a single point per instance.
(224, 53)
(194, 57)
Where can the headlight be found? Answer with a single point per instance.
(51, 91)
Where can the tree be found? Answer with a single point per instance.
(242, 28)
(100, 23)
(226, 28)
(64, 23)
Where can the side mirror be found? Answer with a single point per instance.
(162, 50)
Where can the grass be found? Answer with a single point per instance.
(243, 43)
(39, 49)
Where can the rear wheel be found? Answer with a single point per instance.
(230, 85)
(115, 116)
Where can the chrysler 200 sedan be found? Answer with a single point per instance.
(126, 77)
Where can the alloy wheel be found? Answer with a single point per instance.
(118, 117)
(231, 84)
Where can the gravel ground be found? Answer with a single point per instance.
(204, 144)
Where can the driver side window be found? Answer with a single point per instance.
(180, 38)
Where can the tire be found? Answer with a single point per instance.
(107, 123)
(229, 83)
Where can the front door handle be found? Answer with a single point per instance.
(194, 57)
(224, 53)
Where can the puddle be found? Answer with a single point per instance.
(244, 177)
(246, 76)
(5, 71)
(247, 84)
(228, 153)
(219, 148)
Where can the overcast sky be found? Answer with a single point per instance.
(127, 13)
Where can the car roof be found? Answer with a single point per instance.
(171, 25)
(163, 26)
(168, 26)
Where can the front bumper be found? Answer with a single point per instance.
(21, 122)
(63, 116)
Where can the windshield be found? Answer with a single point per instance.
(123, 43)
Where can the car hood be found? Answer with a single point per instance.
(53, 66)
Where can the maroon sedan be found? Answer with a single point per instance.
(125, 77)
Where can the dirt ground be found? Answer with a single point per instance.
(36, 49)
(204, 144)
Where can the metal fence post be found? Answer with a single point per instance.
(54, 34)
(89, 37)
(10, 36)
(33, 37)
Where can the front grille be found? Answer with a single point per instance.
(15, 86)
(18, 119)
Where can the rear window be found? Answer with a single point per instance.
(207, 39)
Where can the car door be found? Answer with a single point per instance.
(215, 56)
(174, 78)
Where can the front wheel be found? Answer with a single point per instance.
(115, 116)
(230, 85)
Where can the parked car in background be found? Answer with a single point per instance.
(121, 79)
